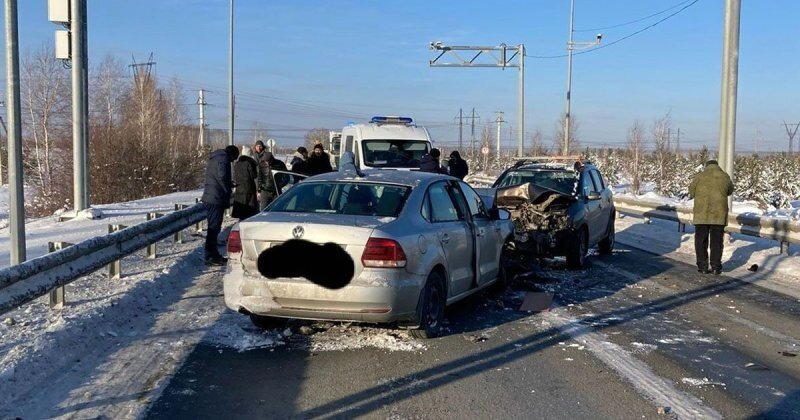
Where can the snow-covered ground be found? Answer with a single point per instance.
(38, 232)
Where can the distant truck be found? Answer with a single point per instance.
(383, 143)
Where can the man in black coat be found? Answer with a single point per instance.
(300, 161)
(430, 162)
(319, 162)
(267, 180)
(458, 167)
(217, 198)
(245, 173)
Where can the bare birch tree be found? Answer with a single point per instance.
(636, 150)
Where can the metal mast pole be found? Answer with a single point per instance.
(80, 129)
(730, 80)
(472, 139)
(202, 103)
(230, 82)
(569, 78)
(460, 129)
(499, 121)
(521, 134)
(16, 208)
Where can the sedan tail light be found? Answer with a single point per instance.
(234, 242)
(383, 253)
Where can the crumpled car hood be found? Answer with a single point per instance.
(541, 198)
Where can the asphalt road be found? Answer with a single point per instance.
(635, 335)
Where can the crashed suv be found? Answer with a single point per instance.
(558, 209)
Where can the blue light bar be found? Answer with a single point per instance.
(391, 120)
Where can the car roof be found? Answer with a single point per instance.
(389, 176)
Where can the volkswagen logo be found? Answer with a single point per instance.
(298, 232)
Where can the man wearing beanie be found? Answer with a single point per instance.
(319, 162)
(217, 198)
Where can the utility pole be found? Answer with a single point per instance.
(80, 104)
(678, 142)
(16, 205)
(730, 84)
(472, 139)
(201, 102)
(460, 129)
(230, 82)
(499, 121)
(5, 130)
(500, 57)
(570, 47)
(791, 133)
(669, 139)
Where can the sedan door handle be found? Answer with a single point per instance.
(445, 238)
(481, 232)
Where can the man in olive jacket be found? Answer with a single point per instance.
(710, 190)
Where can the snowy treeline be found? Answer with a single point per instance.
(142, 141)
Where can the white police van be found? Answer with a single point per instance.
(384, 143)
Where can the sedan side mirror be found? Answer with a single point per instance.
(499, 214)
(594, 195)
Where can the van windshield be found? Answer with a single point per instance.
(394, 153)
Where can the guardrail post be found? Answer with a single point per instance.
(57, 295)
(178, 238)
(151, 249)
(115, 268)
(785, 247)
(199, 225)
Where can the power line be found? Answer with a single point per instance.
(623, 38)
(634, 21)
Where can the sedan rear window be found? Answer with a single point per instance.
(352, 198)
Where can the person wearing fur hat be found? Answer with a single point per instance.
(217, 197)
(319, 162)
(300, 161)
(245, 200)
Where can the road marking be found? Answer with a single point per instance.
(660, 391)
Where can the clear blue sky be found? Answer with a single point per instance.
(303, 64)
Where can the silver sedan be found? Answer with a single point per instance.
(418, 243)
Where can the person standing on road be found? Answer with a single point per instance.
(300, 161)
(430, 162)
(458, 167)
(710, 190)
(267, 179)
(245, 172)
(319, 162)
(217, 198)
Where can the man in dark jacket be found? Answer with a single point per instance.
(217, 198)
(458, 167)
(710, 190)
(430, 162)
(299, 161)
(267, 179)
(245, 173)
(319, 162)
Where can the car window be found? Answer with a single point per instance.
(598, 180)
(352, 198)
(426, 208)
(394, 153)
(441, 204)
(474, 201)
(587, 186)
(461, 201)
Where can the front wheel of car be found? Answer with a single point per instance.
(268, 322)
(431, 309)
(606, 246)
(504, 274)
(576, 256)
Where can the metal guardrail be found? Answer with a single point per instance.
(27, 281)
(784, 231)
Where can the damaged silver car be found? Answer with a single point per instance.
(558, 209)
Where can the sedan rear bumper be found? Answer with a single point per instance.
(376, 295)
